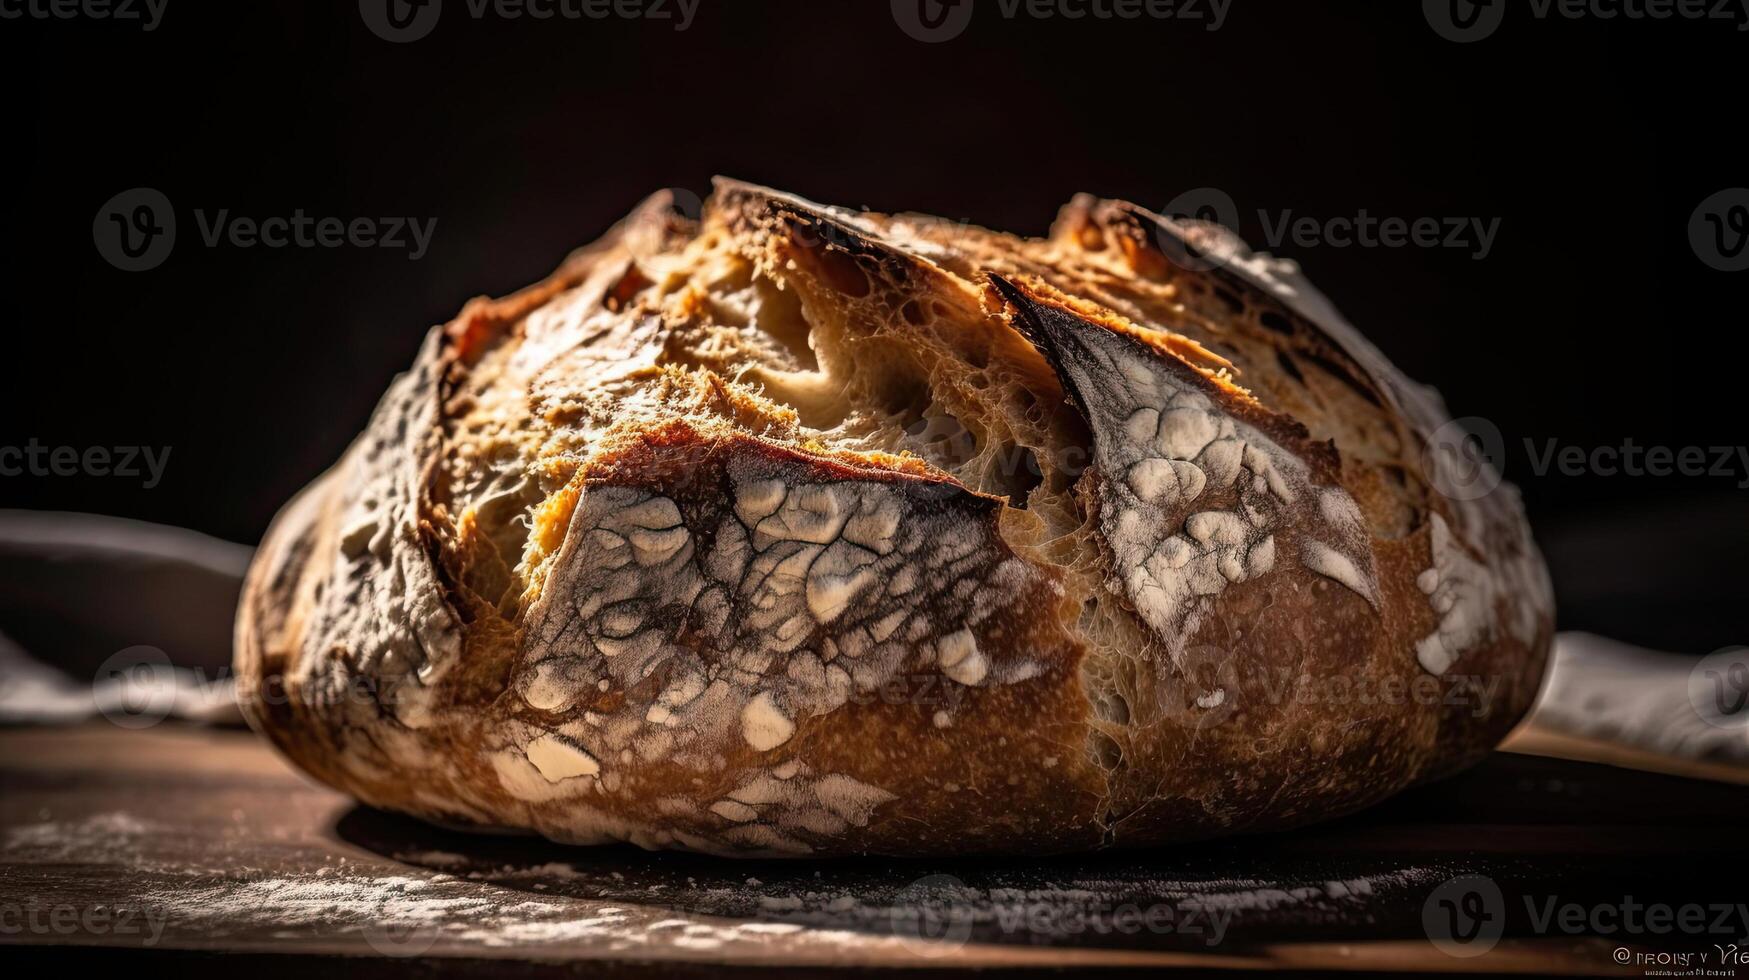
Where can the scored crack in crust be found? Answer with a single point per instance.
(795, 530)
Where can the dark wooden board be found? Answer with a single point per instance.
(212, 848)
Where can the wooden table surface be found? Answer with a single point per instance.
(201, 850)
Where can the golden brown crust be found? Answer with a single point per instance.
(803, 531)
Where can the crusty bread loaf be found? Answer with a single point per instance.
(795, 530)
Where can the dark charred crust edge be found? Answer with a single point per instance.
(1032, 320)
(1169, 240)
(800, 225)
(681, 438)
(1053, 330)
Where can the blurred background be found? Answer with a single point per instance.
(1590, 318)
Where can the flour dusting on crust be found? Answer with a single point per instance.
(796, 530)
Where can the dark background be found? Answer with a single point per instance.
(1591, 322)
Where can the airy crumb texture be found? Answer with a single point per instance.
(793, 530)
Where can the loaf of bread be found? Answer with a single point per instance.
(795, 530)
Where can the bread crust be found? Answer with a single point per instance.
(797, 531)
